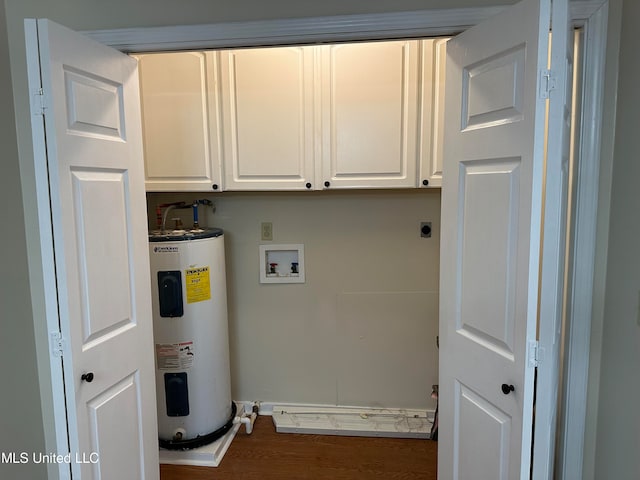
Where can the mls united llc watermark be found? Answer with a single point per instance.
(39, 457)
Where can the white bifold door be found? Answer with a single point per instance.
(88, 124)
(497, 273)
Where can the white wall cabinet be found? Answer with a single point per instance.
(353, 115)
(369, 111)
(268, 118)
(181, 130)
(432, 83)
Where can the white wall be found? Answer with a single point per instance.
(618, 420)
(361, 330)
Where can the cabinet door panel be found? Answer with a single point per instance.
(434, 56)
(268, 118)
(369, 109)
(180, 121)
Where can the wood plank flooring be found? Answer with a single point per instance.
(267, 455)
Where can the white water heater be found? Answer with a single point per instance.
(191, 337)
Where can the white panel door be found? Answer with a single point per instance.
(180, 109)
(492, 200)
(369, 110)
(98, 215)
(268, 111)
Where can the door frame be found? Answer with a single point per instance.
(590, 14)
(582, 253)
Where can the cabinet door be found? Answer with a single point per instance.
(268, 118)
(369, 114)
(180, 121)
(433, 66)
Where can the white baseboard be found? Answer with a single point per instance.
(347, 420)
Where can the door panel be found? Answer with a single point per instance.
(98, 214)
(492, 90)
(488, 210)
(105, 287)
(434, 55)
(94, 105)
(112, 415)
(490, 245)
(180, 107)
(268, 105)
(369, 100)
(480, 420)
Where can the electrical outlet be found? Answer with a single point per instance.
(267, 230)
(425, 229)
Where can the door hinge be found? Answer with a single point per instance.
(535, 354)
(57, 344)
(39, 102)
(548, 82)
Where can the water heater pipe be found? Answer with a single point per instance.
(247, 420)
(159, 208)
(194, 206)
(164, 217)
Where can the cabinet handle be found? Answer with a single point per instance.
(425, 182)
(215, 186)
(507, 389)
(327, 184)
(308, 185)
(87, 377)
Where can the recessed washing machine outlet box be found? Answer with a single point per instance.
(282, 263)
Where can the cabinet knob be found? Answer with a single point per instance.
(214, 186)
(327, 184)
(507, 389)
(308, 185)
(87, 377)
(425, 182)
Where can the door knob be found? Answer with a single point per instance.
(87, 377)
(507, 389)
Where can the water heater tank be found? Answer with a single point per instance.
(191, 337)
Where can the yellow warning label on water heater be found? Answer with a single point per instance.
(198, 284)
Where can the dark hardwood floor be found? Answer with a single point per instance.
(267, 455)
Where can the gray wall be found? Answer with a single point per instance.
(23, 298)
(23, 310)
(361, 330)
(83, 15)
(21, 417)
(618, 421)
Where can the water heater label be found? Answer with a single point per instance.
(198, 284)
(174, 356)
(165, 249)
